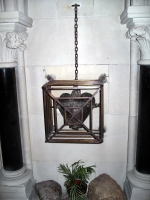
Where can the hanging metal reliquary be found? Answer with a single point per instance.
(75, 106)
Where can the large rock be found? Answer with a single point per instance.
(48, 190)
(104, 187)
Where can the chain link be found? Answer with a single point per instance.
(76, 39)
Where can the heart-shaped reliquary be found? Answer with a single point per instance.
(75, 108)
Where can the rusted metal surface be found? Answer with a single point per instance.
(75, 106)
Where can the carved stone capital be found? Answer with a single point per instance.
(16, 40)
(141, 35)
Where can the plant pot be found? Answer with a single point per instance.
(83, 186)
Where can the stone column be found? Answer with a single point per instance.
(137, 184)
(15, 41)
(16, 176)
(143, 135)
(9, 117)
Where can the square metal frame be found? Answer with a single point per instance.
(55, 134)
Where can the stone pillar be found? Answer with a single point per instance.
(16, 176)
(143, 136)
(9, 117)
(16, 181)
(137, 184)
(15, 41)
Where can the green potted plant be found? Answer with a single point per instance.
(76, 178)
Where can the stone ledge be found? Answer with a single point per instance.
(136, 16)
(16, 17)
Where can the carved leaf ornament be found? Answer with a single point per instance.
(16, 40)
(141, 35)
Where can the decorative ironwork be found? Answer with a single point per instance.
(75, 109)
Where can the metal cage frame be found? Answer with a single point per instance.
(86, 135)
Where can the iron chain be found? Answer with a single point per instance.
(76, 39)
